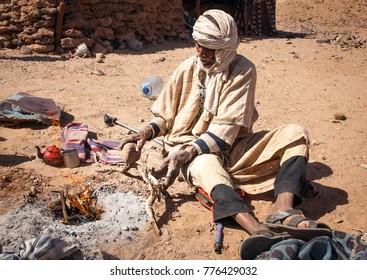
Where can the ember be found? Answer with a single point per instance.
(76, 208)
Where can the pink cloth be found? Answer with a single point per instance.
(75, 136)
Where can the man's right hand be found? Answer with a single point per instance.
(139, 138)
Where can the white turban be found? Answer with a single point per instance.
(215, 29)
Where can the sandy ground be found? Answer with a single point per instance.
(300, 80)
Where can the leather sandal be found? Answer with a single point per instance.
(314, 229)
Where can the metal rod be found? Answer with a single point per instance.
(126, 126)
(111, 120)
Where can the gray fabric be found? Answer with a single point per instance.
(44, 248)
(341, 246)
(25, 107)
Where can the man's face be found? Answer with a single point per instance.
(207, 56)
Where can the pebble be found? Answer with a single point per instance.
(335, 121)
(100, 57)
(97, 72)
(340, 116)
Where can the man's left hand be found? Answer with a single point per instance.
(170, 168)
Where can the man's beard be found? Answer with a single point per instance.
(207, 62)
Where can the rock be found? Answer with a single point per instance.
(340, 116)
(71, 43)
(161, 59)
(129, 153)
(100, 57)
(134, 44)
(126, 36)
(184, 36)
(72, 33)
(38, 48)
(25, 50)
(107, 21)
(106, 43)
(104, 33)
(109, 49)
(97, 72)
(98, 48)
(122, 46)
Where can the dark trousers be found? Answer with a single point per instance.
(291, 178)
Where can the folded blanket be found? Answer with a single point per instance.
(44, 248)
(25, 107)
(75, 137)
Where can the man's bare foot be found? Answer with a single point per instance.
(249, 223)
(284, 202)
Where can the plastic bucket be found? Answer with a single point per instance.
(82, 50)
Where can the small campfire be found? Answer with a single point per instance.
(76, 207)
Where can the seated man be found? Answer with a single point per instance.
(206, 114)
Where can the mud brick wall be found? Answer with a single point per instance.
(101, 24)
(28, 22)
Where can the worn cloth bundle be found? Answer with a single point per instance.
(44, 248)
(340, 246)
(24, 107)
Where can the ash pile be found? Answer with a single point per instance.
(89, 218)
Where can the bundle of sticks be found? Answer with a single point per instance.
(78, 207)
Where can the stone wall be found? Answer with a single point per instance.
(48, 25)
(28, 22)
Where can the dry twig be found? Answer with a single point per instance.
(155, 192)
(63, 204)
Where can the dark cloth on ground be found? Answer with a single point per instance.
(341, 246)
(44, 248)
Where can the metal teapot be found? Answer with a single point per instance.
(51, 156)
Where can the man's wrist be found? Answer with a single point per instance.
(191, 151)
(148, 131)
